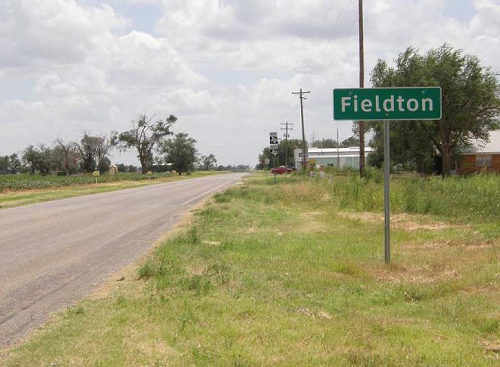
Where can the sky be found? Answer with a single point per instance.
(225, 68)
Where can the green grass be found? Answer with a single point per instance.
(16, 190)
(292, 274)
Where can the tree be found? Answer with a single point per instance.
(471, 104)
(39, 159)
(352, 141)
(15, 165)
(93, 153)
(67, 154)
(325, 143)
(208, 162)
(180, 151)
(144, 137)
(4, 164)
(285, 148)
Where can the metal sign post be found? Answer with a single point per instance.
(273, 144)
(387, 214)
(384, 104)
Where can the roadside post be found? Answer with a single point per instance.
(385, 104)
(273, 147)
(266, 163)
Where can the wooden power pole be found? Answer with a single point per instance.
(361, 124)
(304, 155)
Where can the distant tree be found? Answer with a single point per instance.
(180, 151)
(325, 143)
(67, 154)
(93, 153)
(4, 164)
(266, 154)
(144, 137)
(14, 164)
(285, 147)
(29, 157)
(352, 141)
(104, 165)
(39, 159)
(208, 162)
(471, 103)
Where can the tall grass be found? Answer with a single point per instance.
(476, 196)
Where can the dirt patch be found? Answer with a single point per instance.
(212, 243)
(403, 221)
(416, 275)
(491, 346)
(314, 314)
(311, 226)
(326, 197)
(311, 214)
(468, 245)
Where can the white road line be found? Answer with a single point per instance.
(205, 193)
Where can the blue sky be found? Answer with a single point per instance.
(226, 69)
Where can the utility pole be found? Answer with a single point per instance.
(361, 124)
(286, 123)
(304, 158)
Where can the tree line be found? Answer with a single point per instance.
(157, 147)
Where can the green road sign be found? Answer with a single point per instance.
(387, 104)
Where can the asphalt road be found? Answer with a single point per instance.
(54, 253)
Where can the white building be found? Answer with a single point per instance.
(331, 157)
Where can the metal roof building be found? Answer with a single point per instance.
(331, 157)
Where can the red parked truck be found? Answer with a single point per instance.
(281, 170)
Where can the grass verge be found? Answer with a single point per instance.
(292, 274)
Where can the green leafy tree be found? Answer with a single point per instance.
(325, 143)
(144, 136)
(40, 159)
(285, 148)
(93, 151)
(352, 141)
(208, 162)
(15, 165)
(180, 152)
(4, 164)
(471, 104)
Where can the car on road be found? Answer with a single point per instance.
(281, 170)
